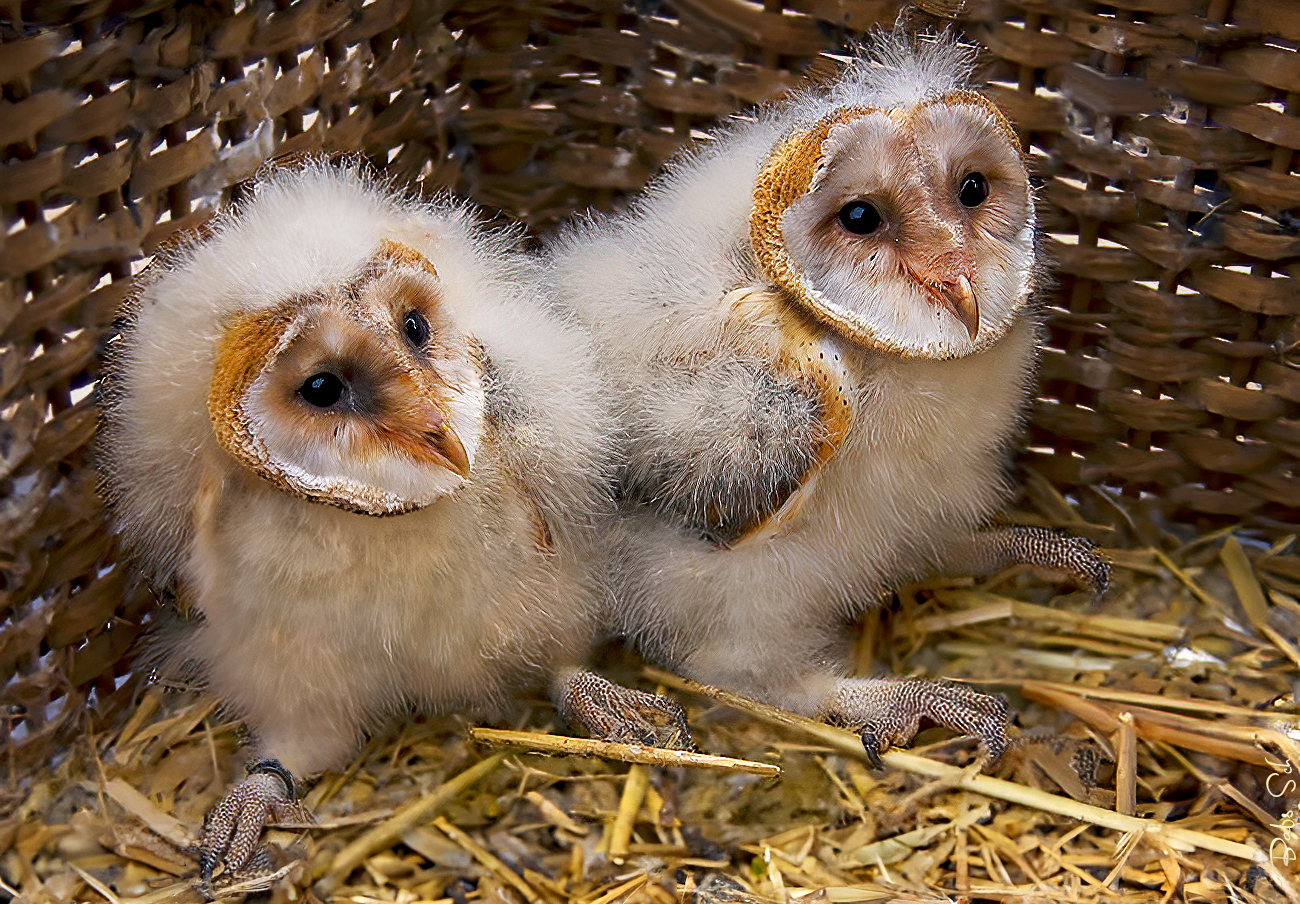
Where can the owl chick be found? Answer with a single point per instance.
(821, 329)
(370, 453)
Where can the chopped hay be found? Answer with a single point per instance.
(1157, 762)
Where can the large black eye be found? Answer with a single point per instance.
(321, 390)
(860, 217)
(974, 189)
(416, 328)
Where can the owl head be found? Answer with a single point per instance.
(897, 208)
(319, 336)
(363, 394)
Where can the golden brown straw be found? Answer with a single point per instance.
(1166, 428)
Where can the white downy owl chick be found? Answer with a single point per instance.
(368, 450)
(822, 332)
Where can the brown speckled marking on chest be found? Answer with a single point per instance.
(489, 447)
(807, 351)
(541, 531)
(801, 353)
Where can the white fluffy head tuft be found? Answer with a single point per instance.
(896, 68)
(302, 250)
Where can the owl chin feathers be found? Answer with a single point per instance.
(357, 472)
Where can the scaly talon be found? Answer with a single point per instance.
(615, 713)
(234, 826)
(888, 712)
(992, 550)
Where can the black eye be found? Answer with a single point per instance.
(974, 189)
(416, 328)
(321, 390)
(860, 217)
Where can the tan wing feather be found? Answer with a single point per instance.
(800, 348)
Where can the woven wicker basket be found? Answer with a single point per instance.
(1163, 134)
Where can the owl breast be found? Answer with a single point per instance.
(425, 606)
(924, 462)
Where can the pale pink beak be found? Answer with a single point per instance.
(443, 446)
(425, 435)
(947, 284)
(959, 298)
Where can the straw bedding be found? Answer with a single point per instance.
(1163, 136)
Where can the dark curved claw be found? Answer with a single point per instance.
(871, 744)
(234, 826)
(887, 713)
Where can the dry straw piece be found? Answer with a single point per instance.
(1163, 138)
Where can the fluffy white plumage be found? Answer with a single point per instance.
(317, 620)
(813, 415)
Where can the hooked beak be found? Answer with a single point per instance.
(446, 445)
(958, 297)
(946, 282)
(427, 437)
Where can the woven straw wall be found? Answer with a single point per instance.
(1163, 132)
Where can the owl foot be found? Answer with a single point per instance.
(234, 826)
(1042, 547)
(1076, 556)
(887, 712)
(615, 713)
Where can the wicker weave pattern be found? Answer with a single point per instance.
(1174, 371)
(120, 132)
(1173, 368)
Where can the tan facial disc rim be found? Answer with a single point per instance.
(245, 351)
(406, 256)
(786, 176)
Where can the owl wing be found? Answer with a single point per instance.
(731, 439)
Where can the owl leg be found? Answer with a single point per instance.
(887, 712)
(992, 550)
(233, 828)
(615, 713)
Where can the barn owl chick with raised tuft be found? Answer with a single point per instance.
(821, 329)
(356, 435)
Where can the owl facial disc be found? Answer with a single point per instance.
(908, 230)
(363, 398)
